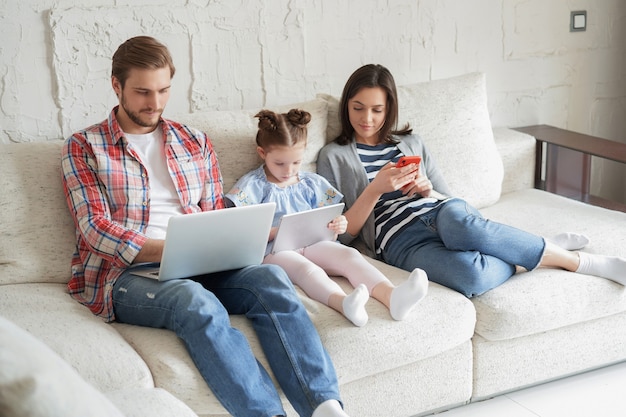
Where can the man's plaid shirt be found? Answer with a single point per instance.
(108, 194)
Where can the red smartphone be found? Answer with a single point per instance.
(406, 160)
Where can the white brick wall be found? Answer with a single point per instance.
(55, 56)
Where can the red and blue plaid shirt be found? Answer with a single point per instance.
(108, 193)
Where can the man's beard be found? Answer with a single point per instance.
(134, 116)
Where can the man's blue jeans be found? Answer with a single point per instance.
(197, 311)
(460, 249)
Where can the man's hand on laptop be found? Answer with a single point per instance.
(151, 251)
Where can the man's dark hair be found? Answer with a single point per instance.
(142, 52)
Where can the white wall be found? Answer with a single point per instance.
(55, 57)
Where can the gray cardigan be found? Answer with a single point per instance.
(340, 164)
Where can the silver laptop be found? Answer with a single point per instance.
(298, 230)
(213, 241)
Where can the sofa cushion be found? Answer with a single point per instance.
(153, 402)
(89, 345)
(504, 365)
(549, 299)
(452, 117)
(36, 382)
(517, 151)
(233, 135)
(36, 228)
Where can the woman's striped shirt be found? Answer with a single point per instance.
(393, 211)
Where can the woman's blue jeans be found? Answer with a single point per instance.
(197, 311)
(460, 249)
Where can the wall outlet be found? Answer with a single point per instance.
(578, 21)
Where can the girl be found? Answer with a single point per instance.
(408, 218)
(281, 141)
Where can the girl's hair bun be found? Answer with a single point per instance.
(299, 118)
(268, 120)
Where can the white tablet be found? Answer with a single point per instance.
(302, 229)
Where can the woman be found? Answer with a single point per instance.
(407, 216)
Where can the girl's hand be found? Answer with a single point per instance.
(339, 225)
(390, 178)
(272, 235)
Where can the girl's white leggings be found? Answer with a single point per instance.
(310, 267)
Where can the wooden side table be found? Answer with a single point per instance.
(567, 156)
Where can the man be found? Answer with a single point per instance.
(123, 179)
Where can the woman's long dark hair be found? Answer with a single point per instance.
(370, 76)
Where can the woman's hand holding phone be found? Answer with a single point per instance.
(421, 184)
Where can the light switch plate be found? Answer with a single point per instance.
(578, 21)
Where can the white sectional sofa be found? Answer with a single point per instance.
(538, 326)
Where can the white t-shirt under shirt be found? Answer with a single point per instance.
(164, 201)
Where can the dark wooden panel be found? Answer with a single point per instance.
(568, 162)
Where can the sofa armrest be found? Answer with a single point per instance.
(517, 151)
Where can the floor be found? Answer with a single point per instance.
(599, 393)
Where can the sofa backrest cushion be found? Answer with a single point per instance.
(36, 227)
(233, 136)
(452, 117)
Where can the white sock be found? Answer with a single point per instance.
(609, 267)
(329, 408)
(408, 294)
(570, 241)
(354, 306)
